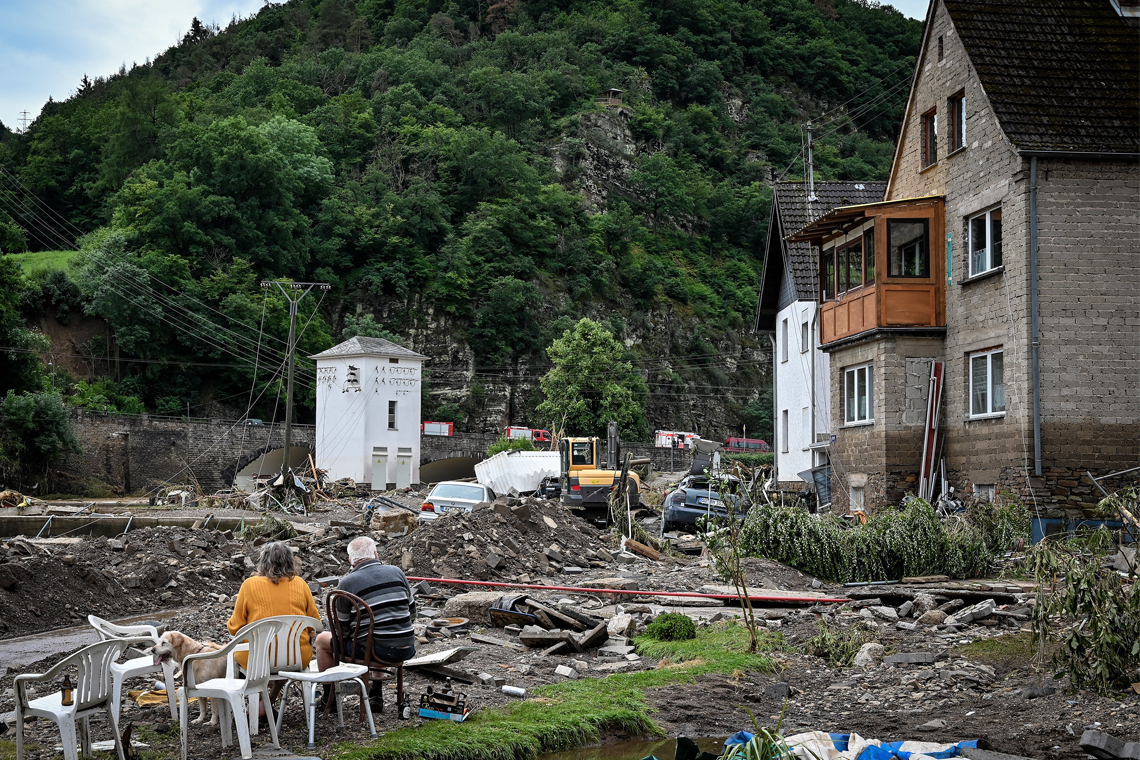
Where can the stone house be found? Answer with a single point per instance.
(1006, 248)
(788, 310)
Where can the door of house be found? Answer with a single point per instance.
(379, 468)
(403, 467)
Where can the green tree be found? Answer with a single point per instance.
(37, 429)
(366, 327)
(757, 416)
(590, 384)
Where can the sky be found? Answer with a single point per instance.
(46, 46)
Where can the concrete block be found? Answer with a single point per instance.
(1102, 745)
(566, 672)
(910, 658)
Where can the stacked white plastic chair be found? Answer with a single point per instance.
(136, 666)
(92, 693)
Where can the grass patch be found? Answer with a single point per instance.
(8, 748)
(43, 261)
(1004, 653)
(573, 713)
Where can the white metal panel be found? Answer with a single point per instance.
(522, 470)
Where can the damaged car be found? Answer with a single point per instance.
(695, 497)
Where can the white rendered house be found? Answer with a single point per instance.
(788, 309)
(368, 412)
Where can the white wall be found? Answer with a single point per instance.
(351, 422)
(793, 389)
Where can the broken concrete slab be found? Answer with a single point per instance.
(472, 605)
(869, 655)
(622, 584)
(1102, 745)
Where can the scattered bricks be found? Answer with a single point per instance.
(394, 521)
(596, 636)
(580, 665)
(512, 544)
(550, 523)
(904, 626)
(981, 610)
(932, 617)
(603, 555)
(885, 613)
(910, 658)
(631, 657)
(501, 509)
(553, 552)
(1102, 745)
(905, 609)
(869, 655)
(493, 560)
(486, 679)
(116, 545)
(624, 558)
(860, 603)
(522, 511)
(566, 672)
(406, 560)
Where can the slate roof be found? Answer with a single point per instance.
(361, 345)
(794, 212)
(1061, 75)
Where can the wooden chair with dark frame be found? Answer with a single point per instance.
(344, 651)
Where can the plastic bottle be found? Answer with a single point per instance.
(514, 691)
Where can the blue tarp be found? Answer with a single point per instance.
(885, 751)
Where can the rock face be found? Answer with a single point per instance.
(870, 655)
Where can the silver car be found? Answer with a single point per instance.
(454, 495)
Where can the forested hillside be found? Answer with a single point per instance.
(447, 168)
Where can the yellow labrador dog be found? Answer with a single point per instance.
(176, 646)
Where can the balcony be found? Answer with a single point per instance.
(879, 267)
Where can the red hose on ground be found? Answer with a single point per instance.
(580, 590)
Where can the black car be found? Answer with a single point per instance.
(693, 498)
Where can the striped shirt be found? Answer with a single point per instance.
(385, 589)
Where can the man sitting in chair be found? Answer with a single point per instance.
(385, 589)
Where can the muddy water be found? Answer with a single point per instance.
(16, 653)
(634, 749)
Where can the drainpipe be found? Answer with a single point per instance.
(1033, 307)
(811, 358)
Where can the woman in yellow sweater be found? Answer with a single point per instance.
(275, 590)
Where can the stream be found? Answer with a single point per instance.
(634, 749)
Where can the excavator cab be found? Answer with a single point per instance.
(586, 483)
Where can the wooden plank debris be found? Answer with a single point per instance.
(645, 551)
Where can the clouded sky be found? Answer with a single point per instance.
(46, 46)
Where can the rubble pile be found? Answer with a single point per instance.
(513, 538)
(48, 584)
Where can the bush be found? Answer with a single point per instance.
(510, 444)
(894, 543)
(840, 646)
(752, 460)
(672, 626)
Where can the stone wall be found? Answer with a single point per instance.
(135, 453)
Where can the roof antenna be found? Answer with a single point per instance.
(810, 169)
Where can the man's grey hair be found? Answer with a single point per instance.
(277, 562)
(361, 547)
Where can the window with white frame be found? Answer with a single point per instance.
(784, 431)
(987, 383)
(784, 341)
(804, 330)
(858, 395)
(985, 241)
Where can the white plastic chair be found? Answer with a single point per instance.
(230, 692)
(92, 693)
(307, 679)
(136, 666)
(285, 655)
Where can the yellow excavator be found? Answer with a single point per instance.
(587, 483)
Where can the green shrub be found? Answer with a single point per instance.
(894, 543)
(766, 459)
(672, 626)
(839, 646)
(510, 444)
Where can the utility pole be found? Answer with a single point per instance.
(810, 169)
(293, 292)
